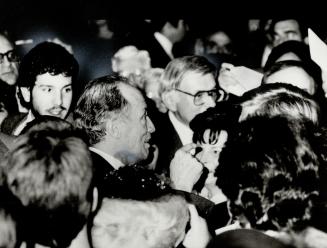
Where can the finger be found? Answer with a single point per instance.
(193, 214)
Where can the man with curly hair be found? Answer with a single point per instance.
(45, 81)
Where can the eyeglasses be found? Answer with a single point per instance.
(200, 96)
(11, 56)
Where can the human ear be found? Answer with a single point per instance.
(26, 93)
(169, 98)
(113, 129)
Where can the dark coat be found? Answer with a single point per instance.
(11, 122)
(168, 142)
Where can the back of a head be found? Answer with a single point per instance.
(269, 172)
(245, 238)
(46, 57)
(279, 99)
(303, 74)
(177, 68)
(130, 223)
(49, 170)
(9, 212)
(221, 117)
(300, 49)
(138, 209)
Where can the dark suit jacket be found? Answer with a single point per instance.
(12, 122)
(147, 41)
(102, 166)
(168, 143)
(102, 169)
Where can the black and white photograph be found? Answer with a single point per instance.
(168, 126)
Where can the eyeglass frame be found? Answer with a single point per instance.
(6, 54)
(203, 91)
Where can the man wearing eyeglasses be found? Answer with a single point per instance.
(189, 88)
(8, 77)
(8, 61)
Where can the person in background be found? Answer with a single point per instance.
(9, 61)
(46, 80)
(189, 88)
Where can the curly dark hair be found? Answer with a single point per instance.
(46, 57)
(270, 172)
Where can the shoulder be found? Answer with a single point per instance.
(11, 122)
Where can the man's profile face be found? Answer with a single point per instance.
(192, 83)
(52, 95)
(286, 30)
(136, 127)
(8, 69)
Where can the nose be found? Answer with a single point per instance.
(150, 125)
(57, 98)
(209, 102)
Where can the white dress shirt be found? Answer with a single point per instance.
(184, 132)
(166, 44)
(110, 159)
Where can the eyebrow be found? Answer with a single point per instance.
(48, 85)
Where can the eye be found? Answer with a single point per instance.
(68, 89)
(46, 89)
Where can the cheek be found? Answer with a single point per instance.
(67, 99)
(39, 100)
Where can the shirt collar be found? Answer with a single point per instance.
(23, 124)
(110, 159)
(166, 44)
(184, 132)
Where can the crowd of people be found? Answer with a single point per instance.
(163, 138)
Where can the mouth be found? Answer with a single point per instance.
(7, 73)
(147, 141)
(56, 111)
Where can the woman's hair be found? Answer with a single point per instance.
(269, 170)
(279, 99)
(299, 48)
(215, 119)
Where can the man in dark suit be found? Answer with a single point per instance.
(113, 113)
(159, 39)
(45, 81)
(189, 88)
